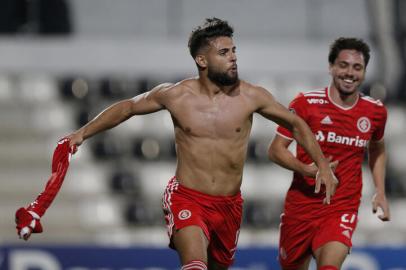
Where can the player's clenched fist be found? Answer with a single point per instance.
(75, 139)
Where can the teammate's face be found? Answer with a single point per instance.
(222, 61)
(348, 71)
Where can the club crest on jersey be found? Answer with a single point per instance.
(184, 214)
(364, 124)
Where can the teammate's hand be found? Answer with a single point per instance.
(333, 164)
(311, 169)
(27, 222)
(379, 201)
(326, 177)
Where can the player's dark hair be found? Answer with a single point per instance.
(343, 43)
(203, 34)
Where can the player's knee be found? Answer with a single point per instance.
(328, 267)
(194, 265)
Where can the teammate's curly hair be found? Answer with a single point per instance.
(211, 28)
(344, 43)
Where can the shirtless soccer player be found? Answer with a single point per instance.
(346, 124)
(212, 117)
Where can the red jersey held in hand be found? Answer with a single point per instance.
(60, 164)
(28, 219)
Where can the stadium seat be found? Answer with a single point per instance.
(125, 182)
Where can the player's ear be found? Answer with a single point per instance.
(201, 61)
(330, 69)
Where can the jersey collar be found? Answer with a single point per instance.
(337, 105)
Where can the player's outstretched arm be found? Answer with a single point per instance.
(271, 109)
(377, 162)
(117, 113)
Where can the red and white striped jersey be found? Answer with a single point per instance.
(342, 133)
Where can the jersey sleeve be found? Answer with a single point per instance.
(382, 116)
(298, 107)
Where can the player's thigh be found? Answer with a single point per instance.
(295, 243)
(213, 265)
(331, 253)
(191, 244)
(303, 266)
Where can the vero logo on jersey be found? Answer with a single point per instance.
(317, 101)
(332, 137)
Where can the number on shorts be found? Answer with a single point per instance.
(348, 218)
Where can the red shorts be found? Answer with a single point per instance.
(299, 238)
(218, 216)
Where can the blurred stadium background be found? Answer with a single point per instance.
(62, 62)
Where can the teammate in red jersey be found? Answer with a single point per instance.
(212, 117)
(345, 124)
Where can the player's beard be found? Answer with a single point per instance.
(346, 91)
(222, 78)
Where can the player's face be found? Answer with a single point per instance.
(348, 71)
(222, 61)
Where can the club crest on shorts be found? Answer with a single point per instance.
(364, 124)
(184, 214)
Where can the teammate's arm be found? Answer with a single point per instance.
(377, 162)
(271, 109)
(117, 113)
(279, 153)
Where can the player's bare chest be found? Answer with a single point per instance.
(222, 119)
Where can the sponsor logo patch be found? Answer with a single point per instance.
(333, 137)
(317, 101)
(347, 233)
(326, 120)
(320, 136)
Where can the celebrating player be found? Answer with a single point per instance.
(345, 123)
(212, 116)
